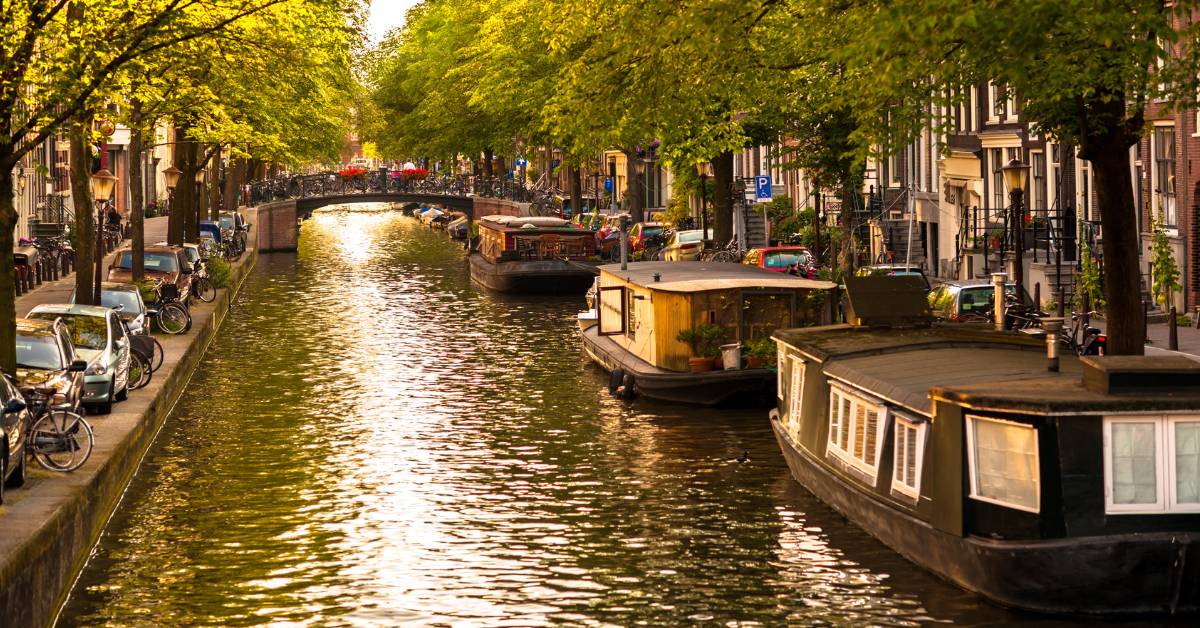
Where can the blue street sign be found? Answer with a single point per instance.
(762, 189)
(522, 163)
(608, 185)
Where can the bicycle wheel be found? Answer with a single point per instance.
(156, 359)
(139, 370)
(173, 319)
(205, 291)
(726, 256)
(62, 441)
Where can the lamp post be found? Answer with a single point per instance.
(1015, 176)
(102, 183)
(171, 179)
(704, 169)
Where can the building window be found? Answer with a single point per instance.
(1003, 460)
(908, 452)
(1164, 174)
(1039, 180)
(855, 427)
(997, 178)
(1152, 465)
(994, 105)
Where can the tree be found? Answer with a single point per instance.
(1083, 71)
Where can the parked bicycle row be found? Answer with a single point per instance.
(75, 360)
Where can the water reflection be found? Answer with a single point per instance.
(373, 441)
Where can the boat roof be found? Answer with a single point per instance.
(705, 276)
(972, 366)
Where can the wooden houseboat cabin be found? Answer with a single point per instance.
(533, 255)
(1071, 491)
(641, 311)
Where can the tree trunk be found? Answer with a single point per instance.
(574, 184)
(215, 186)
(1118, 215)
(176, 219)
(233, 182)
(488, 166)
(634, 199)
(723, 198)
(81, 196)
(137, 210)
(8, 284)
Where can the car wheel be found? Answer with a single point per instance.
(106, 407)
(17, 478)
(124, 394)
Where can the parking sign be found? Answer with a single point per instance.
(762, 189)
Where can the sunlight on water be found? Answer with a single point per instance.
(371, 441)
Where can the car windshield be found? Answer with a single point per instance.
(784, 259)
(124, 298)
(158, 262)
(192, 254)
(651, 231)
(226, 222)
(689, 236)
(87, 332)
(38, 352)
(979, 298)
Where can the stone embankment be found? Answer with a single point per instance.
(49, 527)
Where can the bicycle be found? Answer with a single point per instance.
(168, 313)
(59, 439)
(729, 253)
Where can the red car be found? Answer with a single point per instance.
(643, 231)
(781, 258)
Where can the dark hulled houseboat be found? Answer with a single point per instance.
(1072, 491)
(533, 255)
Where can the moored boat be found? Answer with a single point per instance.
(1068, 491)
(533, 255)
(644, 311)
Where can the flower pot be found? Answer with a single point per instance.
(700, 365)
(754, 362)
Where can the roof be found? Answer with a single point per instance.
(968, 365)
(705, 276)
(66, 308)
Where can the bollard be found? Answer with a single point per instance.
(1037, 294)
(1172, 331)
(1145, 319)
(17, 283)
(1062, 305)
(998, 281)
(27, 277)
(1052, 325)
(37, 273)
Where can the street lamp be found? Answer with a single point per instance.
(1016, 174)
(103, 183)
(705, 170)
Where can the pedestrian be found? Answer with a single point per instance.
(113, 217)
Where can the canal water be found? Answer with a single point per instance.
(373, 441)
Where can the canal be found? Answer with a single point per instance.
(373, 441)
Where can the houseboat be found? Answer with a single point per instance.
(656, 326)
(533, 255)
(1067, 491)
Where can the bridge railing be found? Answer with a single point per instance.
(384, 181)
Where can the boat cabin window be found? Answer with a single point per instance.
(907, 454)
(1152, 464)
(782, 375)
(795, 397)
(1003, 459)
(855, 427)
(631, 321)
(612, 310)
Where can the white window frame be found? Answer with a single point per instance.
(1167, 499)
(781, 360)
(795, 398)
(900, 422)
(857, 399)
(971, 463)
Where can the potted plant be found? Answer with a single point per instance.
(705, 341)
(760, 352)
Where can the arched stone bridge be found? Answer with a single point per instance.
(279, 221)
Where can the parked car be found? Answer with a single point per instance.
(612, 222)
(643, 233)
(99, 338)
(168, 263)
(14, 421)
(126, 300)
(46, 359)
(684, 245)
(966, 301)
(589, 221)
(780, 259)
(896, 270)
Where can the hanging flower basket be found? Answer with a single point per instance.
(414, 174)
(353, 174)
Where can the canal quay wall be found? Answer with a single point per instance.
(50, 526)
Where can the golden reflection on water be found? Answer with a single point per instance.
(371, 441)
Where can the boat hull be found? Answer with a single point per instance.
(532, 277)
(1115, 574)
(745, 386)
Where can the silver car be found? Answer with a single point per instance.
(100, 339)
